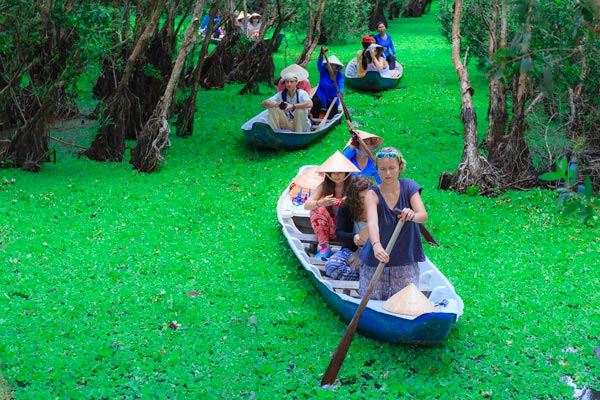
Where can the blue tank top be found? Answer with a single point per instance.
(408, 248)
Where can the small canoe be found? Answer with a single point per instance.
(372, 81)
(259, 134)
(342, 296)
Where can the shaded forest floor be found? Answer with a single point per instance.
(97, 260)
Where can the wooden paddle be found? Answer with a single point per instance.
(345, 109)
(326, 116)
(340, 353)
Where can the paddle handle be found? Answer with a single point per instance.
(340, 353)
(345, 109)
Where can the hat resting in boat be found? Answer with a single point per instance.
(337, 162)
(364, 135)
(300, 72)
(309, 178)
(409, 301)
(333, 60)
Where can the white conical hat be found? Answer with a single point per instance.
(337, 163)
(335, 60)
(242, 15)
(300, 72)
(309, 178)
(409, 301)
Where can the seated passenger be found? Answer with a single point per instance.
(288, 110)
(327, 92)
(379, 63)
(218, 33)
(351, 230)
(367, 40)
(385, 40)
(253, 26)
(325, 200)
(303, 82)
(358, 154)
(240, 20)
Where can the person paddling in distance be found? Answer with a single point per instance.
(326, 199)
(288, 110)
(393, 193)
(357, 154)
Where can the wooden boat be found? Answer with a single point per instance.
(372, 81)
(342, 296)
(259, 134)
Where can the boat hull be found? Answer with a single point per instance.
(259, 134)
(373, 82)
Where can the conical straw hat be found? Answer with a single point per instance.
(337, 163)
(335, 60)
(366, 135)
(309, 178)
(409, 301)
(300, 72)
(241, 15)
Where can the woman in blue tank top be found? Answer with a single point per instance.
(402, 263)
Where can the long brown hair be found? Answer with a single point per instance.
(353, 202)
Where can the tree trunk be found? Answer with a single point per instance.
(511, 154)
(474, 169)
(155, 135)
(377, 15)
(312, 34)
(497, 113)
(185, 119)
(29, 146)
(416, 8)
(109, 143)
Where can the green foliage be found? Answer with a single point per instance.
(96, 260)
(342, 20)
(573, 196)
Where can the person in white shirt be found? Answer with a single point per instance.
(288, 110)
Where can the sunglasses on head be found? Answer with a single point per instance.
(384, 154)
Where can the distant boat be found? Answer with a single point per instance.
(372, 81)
(278, 39)
(342, 296)
(259, 134)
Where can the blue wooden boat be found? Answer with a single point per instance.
(375, 322)
(259, 134)
(372, 81)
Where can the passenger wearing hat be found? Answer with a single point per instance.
(378, 62)
(253, 26)
(303, 82)
(351, 223)
(288, 110)
(367, 40)
(325, 200)
(357, 154)
(240, 20)
(327, 92)
(402, 266)
(384, 39)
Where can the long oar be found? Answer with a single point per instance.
(345, 109)
(340, 353)
(322, 123)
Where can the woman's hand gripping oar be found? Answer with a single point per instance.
(340, 353)
(353, 132)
